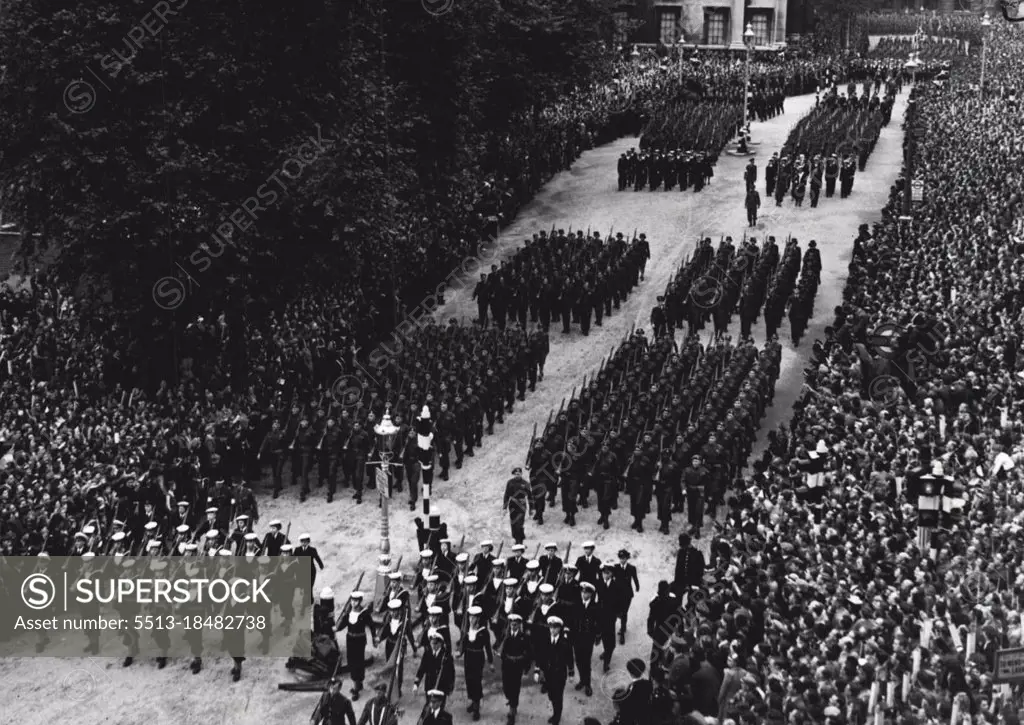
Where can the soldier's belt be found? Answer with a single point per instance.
(514, 658)
(356, 635)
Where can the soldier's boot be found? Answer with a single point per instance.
(444, 474)
(476, 710)
(664, 527)
(236, 672)
(196, 665)
(511, 720)
(161, 662)
(572, 519)
(128, 661)
(356, 690)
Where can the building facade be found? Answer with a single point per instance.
(709, 23)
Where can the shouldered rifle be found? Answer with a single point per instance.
(348, 605)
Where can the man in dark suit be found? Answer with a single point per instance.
(437, 667)
(608, 596)
(554, 660)
(588, 565)
(625, 580)
(434, 712)
(314, 557)
(586, 632)
(635, 703)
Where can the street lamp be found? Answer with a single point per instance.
(681, 49)
(913, 64)
(985, 25)
(387, 433)
(748, 42)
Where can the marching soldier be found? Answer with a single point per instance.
(436, 621)
(272, 450)
(397, 630)
(510, 603)
(475, 645)
(443, 435)
(831, 174)
(331, 452)
(517, 502)
(358, 624)
(516, 656)
(771, 171)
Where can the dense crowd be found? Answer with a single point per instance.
(926, 49)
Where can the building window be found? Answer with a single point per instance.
(716, 26)
(762, 26)
(620, 18)
(668, 25)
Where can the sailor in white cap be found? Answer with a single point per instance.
(434, 712)
(437, 621)
(515, 565)
(395, 626)
(430, 595)
(550, 563)
(274, 540)
(588, 565)
(396, 590)
(358, 626)
(470, 595)
(210, 542)
(437, 667)
(515, 659)
(424, 569)
(511, 603)
(532, 581)
(79, 546)
(119, 543)
(309, 551)
(180, 539)
(252, 544)
(481, 565)
(236, 538)
(209, 523)
(475, 646)
(556, 663)
(180, 514)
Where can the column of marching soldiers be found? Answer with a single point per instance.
(715, 284)
(831, 143)
(681, 144)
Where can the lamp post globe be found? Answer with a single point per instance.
(387, 433)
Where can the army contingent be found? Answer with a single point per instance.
(649, 420)
(830, 143)
(558, 276)
(655, 168)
